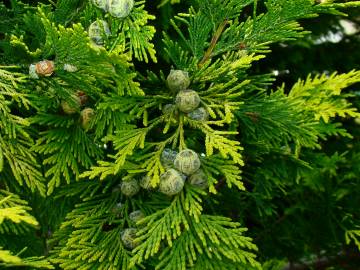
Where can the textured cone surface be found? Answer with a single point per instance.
(136, 216)
(86, 115)
(187, 100)
(45, 68)
(199, 180)
(171, 182)
(199, 114)
(168, 156)
(130, 187)
(120, 8)
(145, 182)
(187, 162)
(100, 4)
(128, 237)
(178, 80)
(97, 30)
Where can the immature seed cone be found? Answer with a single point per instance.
(128, 237)
(178, 80)
(71, 109)
(120, 8)
(187, 100)
(70, 68)
(86, 115)
(100, 4)
(136, 216)
(45, 68)
(145, 182)
(171, 182)
(187, 162)
(199, 114)
(130, 187)
(97, 30)
(199, 180)
(168, 156)
(32, 72)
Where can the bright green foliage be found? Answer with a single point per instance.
(216, 237)
(132, 35)
(6, 257)
(323, 97)
(14, 211)
(71, 46)
(16, 161)
(15, 214)
(261, 150)
(353, 235)
(88, 243)
(78, 151)
(9, 260)
(94, 247)
(138, 34)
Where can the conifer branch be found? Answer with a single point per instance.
(182, 153)
(213, 42)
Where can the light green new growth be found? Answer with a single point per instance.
(322, 95)
(353, 235)
(15, 141)
(47, 151)
(14, 210)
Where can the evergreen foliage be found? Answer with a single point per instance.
(263, 149)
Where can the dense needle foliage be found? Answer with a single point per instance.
(277, 135)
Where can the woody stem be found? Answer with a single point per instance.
(213, 42)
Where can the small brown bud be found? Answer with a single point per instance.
(45, 68)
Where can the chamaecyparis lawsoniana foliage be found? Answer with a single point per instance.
(92, 135)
